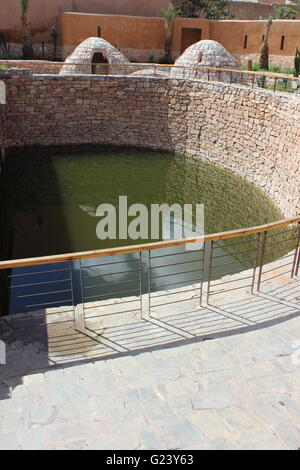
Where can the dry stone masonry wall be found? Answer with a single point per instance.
(255, 133)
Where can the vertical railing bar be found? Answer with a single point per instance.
(81, 291)
(253, 77)
(255, 261)
(72, 295)
(145, 283)
(296, 260)
(81, 285)
(149, 282)
(297, 263)
(209, 270)
(201, 282)
(141, 293)
(149, 278)
(275, 83)
(263, 245)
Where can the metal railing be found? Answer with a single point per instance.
(269, 81)
(105, 302)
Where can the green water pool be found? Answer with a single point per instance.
(50, 195)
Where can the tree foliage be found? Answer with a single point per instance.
(169, 13)
(284, 13)
(191, 8)
(27, 40)
(287, 12)
(213, 9)
(264, 51)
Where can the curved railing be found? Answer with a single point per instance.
(148, 246)
(98, 303)
(254, 79)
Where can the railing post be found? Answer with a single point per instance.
(262, 253)
(296, 262)
(145, 267)
(77, 295)
(209, 271)
(255, 261)
(76, 282)
(202, 280)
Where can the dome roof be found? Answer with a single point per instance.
(208, 53)
(83, 54)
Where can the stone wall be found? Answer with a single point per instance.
(254, 133)
(36, 66)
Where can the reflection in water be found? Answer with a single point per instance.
(53, 211)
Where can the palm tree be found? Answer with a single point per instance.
(27, 40)
(169, 13)
(264, 50)
(54, 35)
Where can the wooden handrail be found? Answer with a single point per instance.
(144, 247)
(151, 65)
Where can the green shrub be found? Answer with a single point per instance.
(272, 68)
(275, 69)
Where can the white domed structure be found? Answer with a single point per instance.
(206, 53)
(96, 51)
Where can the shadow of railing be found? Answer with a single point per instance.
(135, 299)
(64, 345)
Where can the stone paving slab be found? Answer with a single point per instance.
(237, 392)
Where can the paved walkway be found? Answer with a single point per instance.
(237, 392)
(226, 376)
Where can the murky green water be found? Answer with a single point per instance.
(49, 200)
(51, 195)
